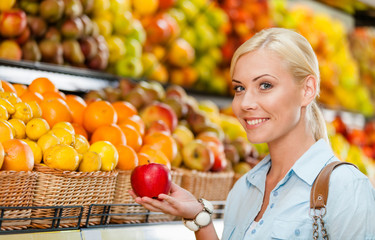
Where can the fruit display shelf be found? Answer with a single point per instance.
(69, 79)
(105, 213)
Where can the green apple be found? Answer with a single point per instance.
(129, 67)
(123, 23)
(133, 48)
(137, 31)
(197, 156)
(149, 63)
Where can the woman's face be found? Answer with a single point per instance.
(267, 100)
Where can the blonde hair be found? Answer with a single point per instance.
(298, 54)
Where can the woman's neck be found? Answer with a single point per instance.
(284, 153)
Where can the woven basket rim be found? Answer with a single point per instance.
(73, 174)
(18, 173)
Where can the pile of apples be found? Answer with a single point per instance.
(53, 31)
(341, 87)
(207, 139)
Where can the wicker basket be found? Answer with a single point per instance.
(70, 188)
(17, 190)
(135, 213)
(213, 186)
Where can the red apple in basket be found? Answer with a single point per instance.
(150, 180)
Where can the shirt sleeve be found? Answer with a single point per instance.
(350, 206)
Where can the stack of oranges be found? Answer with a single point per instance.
(40, 124)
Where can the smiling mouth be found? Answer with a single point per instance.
(256, 121)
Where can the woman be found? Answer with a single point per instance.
(276, 80)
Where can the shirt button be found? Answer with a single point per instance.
(297, 232)
(253, 231)
(275, 194)
(261, 222)
(272, 205)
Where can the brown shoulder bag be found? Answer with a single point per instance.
(318, 198)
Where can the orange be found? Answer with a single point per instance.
(108, 154)
(29, 96)
(149, 153)
(20, 88)
(55, 110)
(6, 132)
(52, 95)
(135, 121)
(77, 105)
(42, 85)
(163, 142)
(124, 110)
(18, 156)
(97, 114)
(8, 87)
(133, 137)
(111, 133)
(2, 153)
(128, 158)
(62, 157)
(91, 162)
(78, 129)
(7, 105)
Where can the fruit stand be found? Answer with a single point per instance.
(90, 89)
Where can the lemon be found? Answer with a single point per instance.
(61, 156)
(36, 109)
(65, 125)
(108, 154)
(9, 107)
(36, 128)
(81, 144)
(4, 115)
(64, 136)
(23, 112)
(19, 127)
(11, 97)
(90, 162)
(47, 140)
(37, 150)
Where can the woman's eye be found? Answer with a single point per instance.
(238, 88)
(265, 86)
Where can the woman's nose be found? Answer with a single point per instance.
(249, 102)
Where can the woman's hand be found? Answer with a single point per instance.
(179, 202)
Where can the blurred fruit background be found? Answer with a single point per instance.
(162, 53)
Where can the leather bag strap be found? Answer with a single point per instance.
(319, 190)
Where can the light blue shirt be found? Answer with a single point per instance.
(350, 205)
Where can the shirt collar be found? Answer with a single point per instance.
(308, 166)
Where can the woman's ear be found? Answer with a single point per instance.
(309, 90)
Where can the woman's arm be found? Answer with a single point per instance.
(179, 203)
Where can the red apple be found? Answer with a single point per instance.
(158, 126)
(12, 22)
(197, 156)
(150, 180)
(159, 111)
(220, 161)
